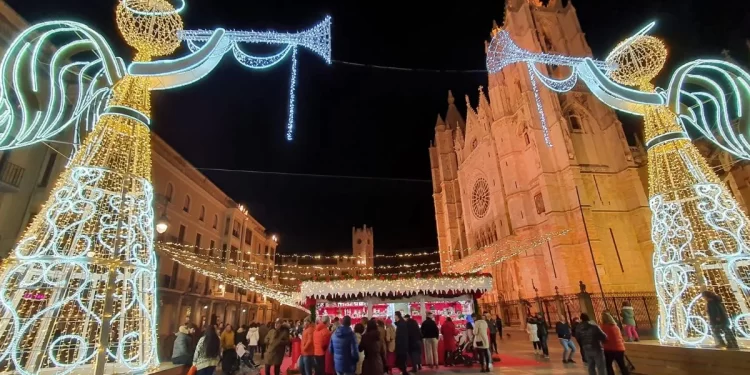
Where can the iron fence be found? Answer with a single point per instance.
(645, 307)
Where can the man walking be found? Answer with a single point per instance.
(321, 340)
(308, 348)
(344, 348)
(590, 336)
(262, 332)
(415, 343)
(430, 336)
(402, 343)
(493, 332)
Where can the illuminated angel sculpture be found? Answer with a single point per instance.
(78, 292)
(700, 235)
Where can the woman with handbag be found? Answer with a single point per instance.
(482, 342)
(207, 352)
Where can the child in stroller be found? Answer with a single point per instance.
(245, 356)
(464, 352)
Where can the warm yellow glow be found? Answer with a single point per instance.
(638, 60)
(153, 34)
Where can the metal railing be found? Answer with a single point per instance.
(11, 174)
(645, 306)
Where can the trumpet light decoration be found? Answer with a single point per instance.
(701, 237)
(87, 258)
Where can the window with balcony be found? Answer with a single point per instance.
(236, 229)
(198, 238)
(248, 236)
(211, 249)
(181, 235)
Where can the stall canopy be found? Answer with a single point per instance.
(439, 286)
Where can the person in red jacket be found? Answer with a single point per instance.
(321, 340)
(307, 361)
(614, 347)
(448, 330)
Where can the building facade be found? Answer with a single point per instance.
(495, 178)
(361, 262)
(199, 214)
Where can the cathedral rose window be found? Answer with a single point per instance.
(480, 198)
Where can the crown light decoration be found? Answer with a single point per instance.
(88, 257)
(700, 234)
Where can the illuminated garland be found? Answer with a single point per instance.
(203, 256)
(384, 287)
(209, 266)
(701, 237)
(499, 253)
(78, 294)
(316, 39)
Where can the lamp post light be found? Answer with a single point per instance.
(162, 224)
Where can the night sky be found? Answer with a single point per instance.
(361, 121)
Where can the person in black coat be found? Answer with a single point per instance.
(402, 343)
(415, 343)
(542, 333)
(430, 335)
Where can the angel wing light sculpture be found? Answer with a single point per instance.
(78, 293)
(700, 234)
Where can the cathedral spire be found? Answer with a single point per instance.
(439, 123)
(453, 118)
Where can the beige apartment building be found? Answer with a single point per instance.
(198, 212)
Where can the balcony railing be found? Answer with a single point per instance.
(10, 176)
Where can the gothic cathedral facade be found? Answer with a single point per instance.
(496, 179)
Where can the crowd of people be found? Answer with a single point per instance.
(337, 346)
(376, 346)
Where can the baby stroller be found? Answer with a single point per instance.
(464, 354)
(245, 359)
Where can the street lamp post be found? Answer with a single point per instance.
(591, 250)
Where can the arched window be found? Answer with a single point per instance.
(170, 192)
(474, 143)
(186, 206)
(216, 221)
(202, 216)
(526, 137)
(576, 124)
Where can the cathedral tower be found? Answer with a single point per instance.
(498, 175)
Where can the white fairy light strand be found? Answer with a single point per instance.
(317, 39)
(382, 287)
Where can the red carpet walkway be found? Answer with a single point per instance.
(506, 361)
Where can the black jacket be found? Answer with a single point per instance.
(430, 329)
(415, 335)
(541, 328)
(563, 330)
(402, 337)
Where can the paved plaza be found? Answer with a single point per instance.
(519, 359)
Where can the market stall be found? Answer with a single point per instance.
(380, 297)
